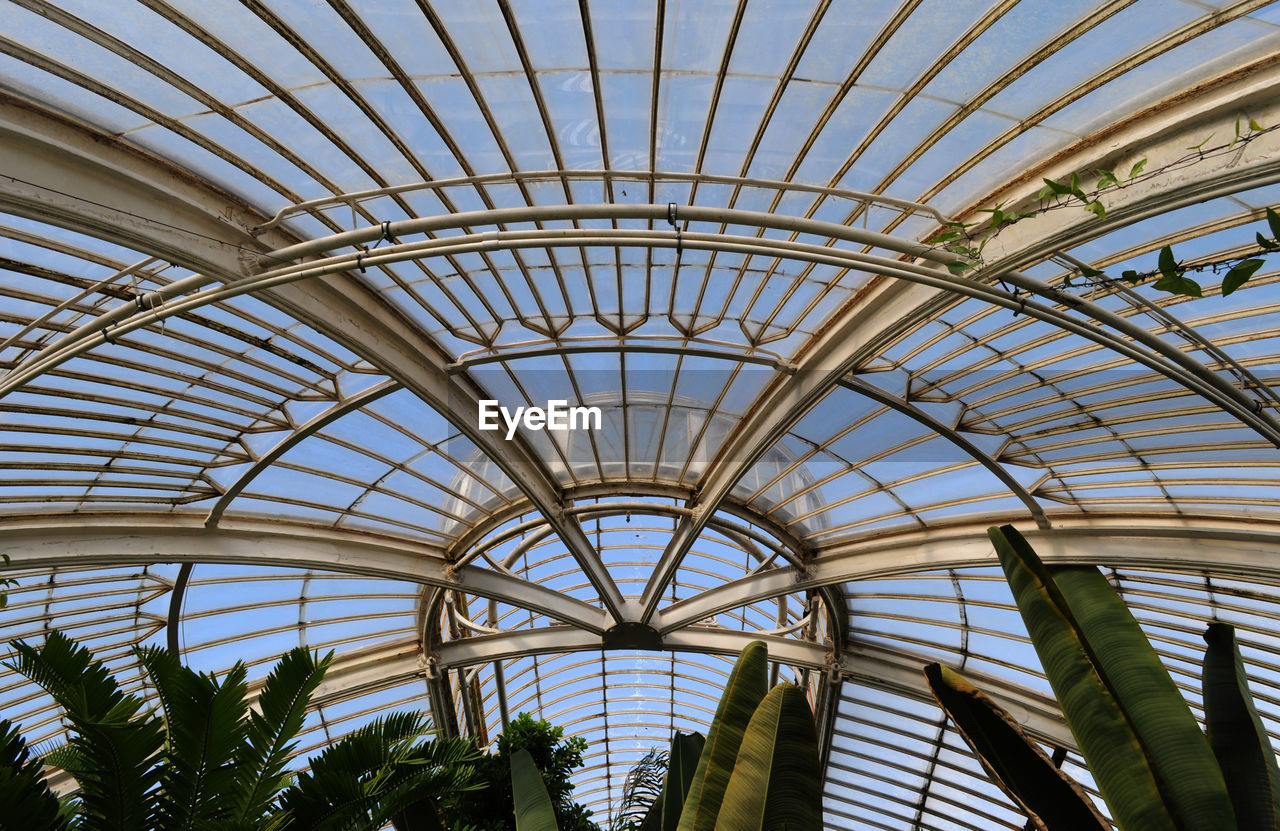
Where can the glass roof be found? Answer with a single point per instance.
(263, 263)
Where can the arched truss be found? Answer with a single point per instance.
(1243, 550)
(70, 176)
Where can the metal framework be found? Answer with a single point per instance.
(260, 264)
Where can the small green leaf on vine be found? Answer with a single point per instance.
(1074, 187)
(1093, 273)
(1168, 265)
(1239, 273)
(958, 267)
(1107, 179)
(1179, 284)
(1201, 144)
(1273, 219)
(1131, 276)
(1052, 188)
(1095, 207)
(1137, 168)
(1253, 125)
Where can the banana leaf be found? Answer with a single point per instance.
(1051, 799)
(1144, 748)
(747, 685)
(534, 811)
(1236, 734)
(682, 763)
(775, 782)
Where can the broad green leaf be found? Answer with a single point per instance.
(1267, 244)
(948, 236)
(776, 782)
(747, 685)
(1273, 220)
(1107, 179)
(1137, 168)
(1239, 274)
(1143, 746)
(1049, 797)
(958, 267)
(1253, 125)
(682, 764)
(1168, 265)
(534, 811)
(1179, 284)
(1237, 735)
(1096, 208)
(1130, 276)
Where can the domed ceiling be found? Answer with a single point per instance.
(266, 266)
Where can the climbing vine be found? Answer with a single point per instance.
(969, 239)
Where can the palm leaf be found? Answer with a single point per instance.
(260, 767)
(641, 792)
(1236, 734)
(1143, 746)
(775, 782)
(747, 685)
(534, 811)
(380, 773)
(205, 725)
(1053, 800)
(118, 749)
(23, 792)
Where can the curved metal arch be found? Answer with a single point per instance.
(853, 383)
(897, 671)
(1158, 355)
(303, 432)
(1244, 549)
(921, 417)
(67, 542)
(119, 190)
(646, 176)
(612, 490)
(335, 412)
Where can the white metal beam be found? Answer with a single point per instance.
(896, 671)
(72, 178)
(1246, 549)
(64, 542)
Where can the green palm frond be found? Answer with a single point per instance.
(260, 771)
(23, 792)
(380, 773)
(206, 723)
(118, 749)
